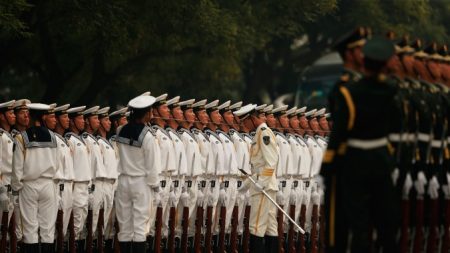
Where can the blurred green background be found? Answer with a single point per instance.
(107, 51)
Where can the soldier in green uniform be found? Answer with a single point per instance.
(359, 140)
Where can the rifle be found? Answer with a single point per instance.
(301, 237)
(4, 231)
(234, 227)
(59, 232)
(116, 237)
(404, 236)
(158, 227)
(223, 214)
(208, 235)
(89, 238)
(12, 234)
(291, 232)
(280, 231)
(171, 239)
(246, 232)
(71, 234)
(446, 236)
(314, 232)
(433, 240)
(322, 229)
(198, 229)
(100, 225)
(419, 238)
(185, 225)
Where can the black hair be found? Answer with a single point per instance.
(139, 113)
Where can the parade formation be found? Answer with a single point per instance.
(166, 174)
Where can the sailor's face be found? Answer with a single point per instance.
(271, 121)
(94, 122)
(106, 123)
(216, 118)
(189, 115)
(64, 121)
(314, 125)
(23, 117)
(78, 121)
(164, 111)
(203, 116)
(303, 122)
(294, 122)
(50, 121)
(284, 121)
(228, 117)
(177, 113)
(9, 117)
(122, 121)
(323, 123)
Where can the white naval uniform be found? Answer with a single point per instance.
(293, 174)
(98, 170)
(177, 176)
(264, 159)
(65, 177)
(316, 161)
(36, 161)
(304, 167)
(193, 170)
(168, 166)
(83, 175)
(6, 159)
(243, 162)
(107, 182)
(231, 177)
(139, 166)
(285, 169)
(220, 171)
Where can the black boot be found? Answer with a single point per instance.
(271, 243)
(257, 244)
(125, 247)
(138, 247)
(109, 246)
(47, 248)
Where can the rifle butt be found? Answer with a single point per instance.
(291, 232)
(185, 225)
(280, 231)
(158, 227)
(59, 232)
(234, 228)
(4, 230)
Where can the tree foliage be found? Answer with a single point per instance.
(98, 51)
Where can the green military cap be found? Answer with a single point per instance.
(378, 49)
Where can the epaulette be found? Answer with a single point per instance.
(190, 133)
(84, 135)
(225, 134)
(156, 128)
(209, 132)
(277, 133)
(233, 131)
(169, 129)
(62, 138)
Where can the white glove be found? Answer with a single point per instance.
(223, 197)
(446, 190)
(280, 198)
(200, 198)
(4, 199)
(156, 189)
(210, 198)
(394, 175)
(156, 198)
(315, 198)
(172, 199)
(59, 201)
(258, 187)
(407, 185)
(292, 197)
(91, 201)
(433, 188)
(184, 198)
(419, 184)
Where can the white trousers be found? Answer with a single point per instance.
(133, 208)
(263, 215)
(190, 184)
(67, 204)
(103, 197)
(231, 190)
(38, 209)
(164, 197)
(80, 195)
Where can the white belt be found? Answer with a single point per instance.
(367, 144)
(437, 143)
(423, 137)
(396, 137)
(411, 137)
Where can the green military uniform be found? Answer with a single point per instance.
(358, 158)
